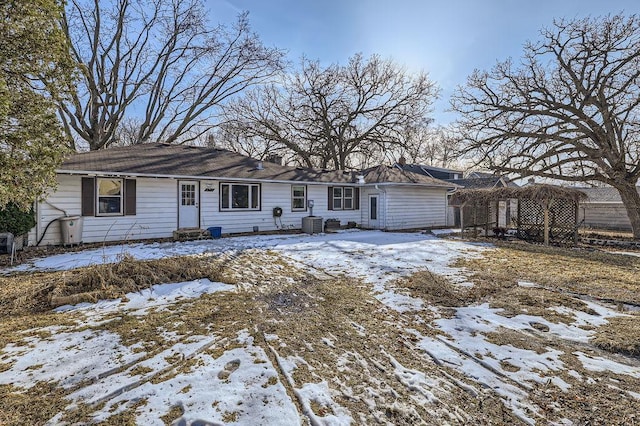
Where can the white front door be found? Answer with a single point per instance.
(374, 212)
(188, 204)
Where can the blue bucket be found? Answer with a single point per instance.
(215, 231)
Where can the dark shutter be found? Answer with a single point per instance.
(356, 198)
(330, 200)
(130, 197)
(88, 189)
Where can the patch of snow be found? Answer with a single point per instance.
(513, 397)
(626, 253)
(238, 383)
(445, 231)
(321, 395)
(636, 395)
(155, 296)
(328, 342)
(65, 357)
(596, 363)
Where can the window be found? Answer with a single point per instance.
(298, 197)
(348, 198)
(344, 198)
(109, 196)
(239, 196)
(188, 194)
(337, 198)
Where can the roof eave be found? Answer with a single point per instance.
(190, 177)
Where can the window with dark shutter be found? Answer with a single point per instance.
(88, 197)
(343, 198)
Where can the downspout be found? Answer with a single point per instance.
(384, 196)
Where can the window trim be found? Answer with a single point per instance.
(98, 196)
(304, 198)
(345, 198)
(252, 187)
(355, 198)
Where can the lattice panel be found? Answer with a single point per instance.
(562, 221)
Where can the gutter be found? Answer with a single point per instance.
(238, 179)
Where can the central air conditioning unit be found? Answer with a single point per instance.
(6, 242)
(312, 224)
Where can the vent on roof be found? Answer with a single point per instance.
(260, 166)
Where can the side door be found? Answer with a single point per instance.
(374, 211)
(188, 204)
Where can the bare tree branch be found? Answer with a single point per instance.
(334, 116)
(157, 62)
(569, 111)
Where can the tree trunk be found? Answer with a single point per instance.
(631, 201)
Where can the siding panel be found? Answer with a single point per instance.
(157, 210)
(415, 207)
(611, 216)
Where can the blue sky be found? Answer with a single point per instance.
(446, 38)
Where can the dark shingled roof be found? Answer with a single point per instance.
(435, 172)
(393, 174)
(156, 159)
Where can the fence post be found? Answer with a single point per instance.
(545, 206)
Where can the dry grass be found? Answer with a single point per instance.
(344, 334)
(30, 407)
(22, 294)
(433, 289)
(564, 273)
(621, 335)
(594, 273)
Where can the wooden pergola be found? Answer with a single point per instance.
(543, 210)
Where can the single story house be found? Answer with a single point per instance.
(603, 209)
(499, 215)
(148, 191)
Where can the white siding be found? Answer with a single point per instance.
(414, 207)
(156, 212)
(364, 201)
(273, 195)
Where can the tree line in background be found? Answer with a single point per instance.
(96, 74)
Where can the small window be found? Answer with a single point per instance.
(337, 198)
(109, 197)
(344, 198)
(188, 194)
(348, 198)
(298, 197)
(239, 196)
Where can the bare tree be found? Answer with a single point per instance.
(568, 111)
(159, 62)
(434, 146)
(334, 116)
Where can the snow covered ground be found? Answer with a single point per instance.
(221, 374)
